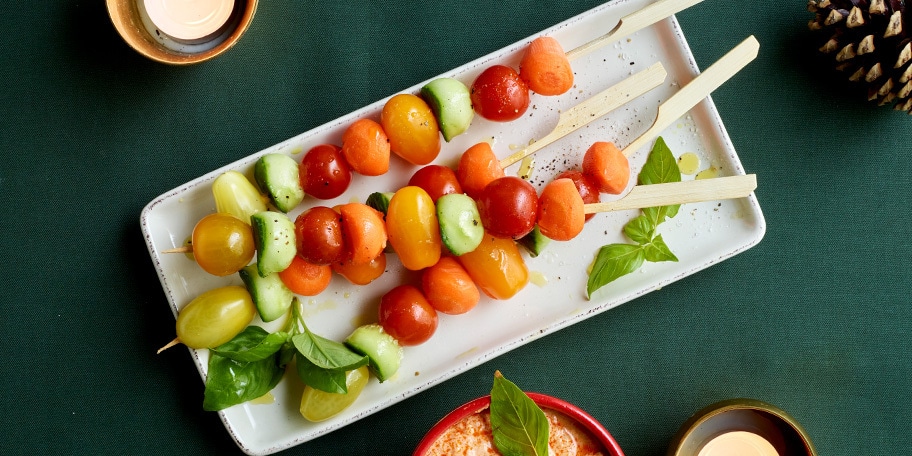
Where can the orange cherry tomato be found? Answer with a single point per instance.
(411, 128)
(448, 287)
(361, 273)
(497, 267)
(306, 279)
(411, 224)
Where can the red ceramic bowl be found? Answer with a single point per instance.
(586, 421)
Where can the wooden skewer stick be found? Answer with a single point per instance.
(634, 22)
(595, 107)
(698, 89)
(694, 191)
(183, 249)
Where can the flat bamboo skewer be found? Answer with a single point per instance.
(643, 196)
(633, 22)
(595, 107)
(698, 89)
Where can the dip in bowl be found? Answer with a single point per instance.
(467, 431)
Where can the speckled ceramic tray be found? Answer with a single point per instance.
(701, 235)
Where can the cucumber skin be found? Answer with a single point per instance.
(274, 236)
(451, 102)
(460, 223)
(535, 242)
(278, 177)
(270, 295)
(383, 352)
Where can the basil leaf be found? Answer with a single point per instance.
(286, 353)
(329, 380)
(231, 382)
(657, 251)
(519, 426)
(614, 261)
(322, 363)
(327, 354)
(659, 214)
(660, 167)
(640, 230)
(252, 344)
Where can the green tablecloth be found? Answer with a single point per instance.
(815, 319)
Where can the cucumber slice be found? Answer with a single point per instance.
(274, 236)
(460, 224)
(277, 176)
(379, 201)
(383, 351)
(270, 295)
(535, 242)
(451, 102)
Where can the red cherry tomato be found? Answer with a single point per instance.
(324, 173)
(508, 207)
(406, 315)
(499, 94)
(318, 233)
(584, 184)
(436, 180)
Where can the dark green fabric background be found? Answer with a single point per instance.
(815, 319)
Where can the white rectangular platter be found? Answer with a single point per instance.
(701, 235)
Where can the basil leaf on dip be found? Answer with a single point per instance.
(519, 426)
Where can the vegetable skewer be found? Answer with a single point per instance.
(562, 213)
(595, 107)
(632, 23)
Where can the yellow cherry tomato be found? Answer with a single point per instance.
(411, 128)
(215, 317)
(497, 267)
(222, 244)
(411, 224)
(319, 405)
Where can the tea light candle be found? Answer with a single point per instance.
(740, 443)
(189, 21)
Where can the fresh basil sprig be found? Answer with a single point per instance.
(617, 260)
(253, 362)
(519, 426)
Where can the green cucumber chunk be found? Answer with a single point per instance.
(277, 176)
(451, 102)
(274, 236)
(379, 201)
(535, 242)
(270, 295)
(460, 224)
(383, 351)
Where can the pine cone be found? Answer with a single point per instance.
(869, 41)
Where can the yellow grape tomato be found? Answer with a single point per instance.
(412, 228)
(215, 317)
(497, 267)
(319, 405)
(234, 194)
(411, 128)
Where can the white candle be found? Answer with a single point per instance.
(189, 21)
(738, 443)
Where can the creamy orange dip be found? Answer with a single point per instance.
(472, 436)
